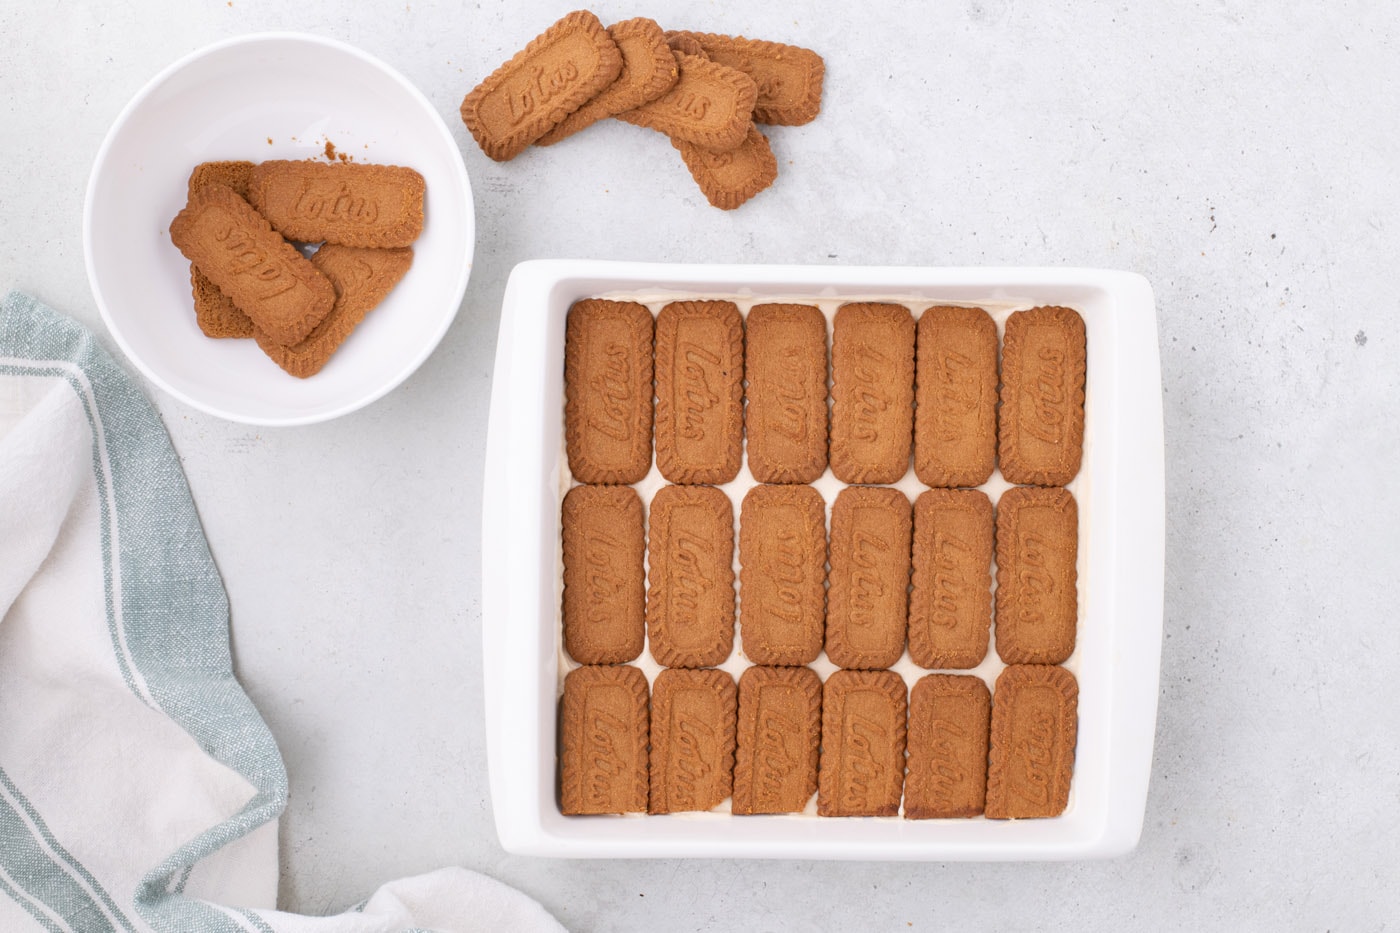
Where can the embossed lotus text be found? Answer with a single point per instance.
(334, 202)
(695, 398)
(950, 554)
(868, 398)
(862, 773)
(1047, 396)
(945, 773)
(606, 747)
(772, 763)
(612, 385)
(790, 417)
(243, 257)
(867, 584)
(958, 395)
(691, 741)
(691, 562)
(537, 88)
(1035, 751)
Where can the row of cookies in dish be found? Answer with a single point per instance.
(862, 742)
(890, 575)
(707, 378)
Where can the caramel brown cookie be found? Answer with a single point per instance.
(789, 78)
(699, 391)
(710, 106)
(1041, 432)
(692, 739)
(949, 717)
(782, 574)
(603, 760)
(263, 274)
(214, 312)
(863, 730)
(1037, 550)
(1035, 723)
(872, 392)
(780, 724)
(730, 178)
(350, 203)
(955, 418)
(604, 608)
(867, 599)
(786, 364)
(648, 71)
(607, 391)
(950, 606)
(567, 65)
(690, 594)
(362, 279)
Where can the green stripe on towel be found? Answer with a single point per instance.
(170, 594)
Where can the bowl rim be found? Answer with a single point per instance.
(155, 83)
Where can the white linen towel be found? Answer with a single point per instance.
(139, 788)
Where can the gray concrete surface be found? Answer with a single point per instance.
(1241, 155)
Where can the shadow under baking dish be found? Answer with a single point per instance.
(1120, 495)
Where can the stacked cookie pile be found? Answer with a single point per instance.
(239, 229)
(884, 576)
(703, 91)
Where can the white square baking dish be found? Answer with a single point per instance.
(1120, 491)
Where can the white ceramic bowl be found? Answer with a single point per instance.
(260, 97)
(1120, 492)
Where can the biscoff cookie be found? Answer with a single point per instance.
(785, 362)
(710, 105)
(692, 739)
(362, 278)
(690, 593)
(789, 78)
(214, 312)
(863, 731)
(560, 70)
(1041, 432)
(648, 71)
(349, 203)
(604, 609)
(780, 725)
(949, 718)
(603, 760)
(1037, 550)
(782, 574)
(264, 275)
(867, 598)
(607, 390)
(699, 391)
(872, 392)
(1035, 723)
(729, 179)
(955, 415)
(950, 606)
